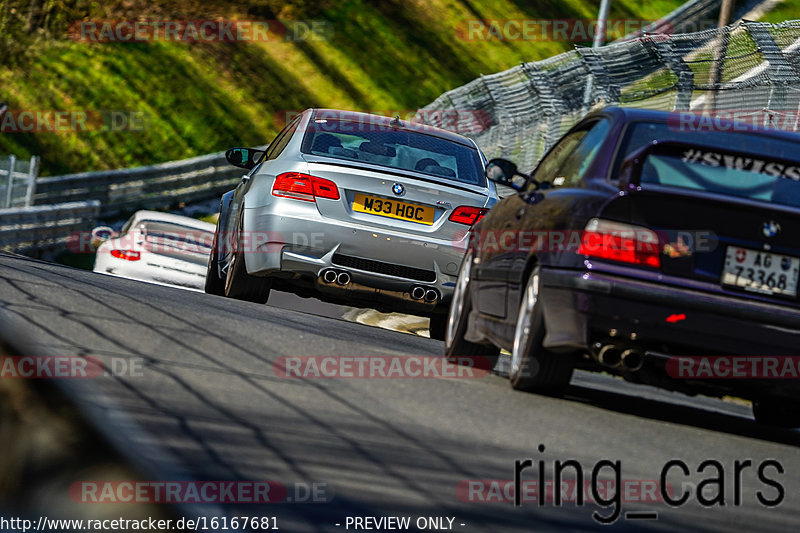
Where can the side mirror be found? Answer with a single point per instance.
(101, 234)
(501, 171)
(244, 157)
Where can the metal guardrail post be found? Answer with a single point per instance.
(12, 161)
(33, 173)
(597, 42)
(598, 79)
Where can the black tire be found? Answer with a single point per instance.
(241, 285)
(438, 327)
(776, 412)
(534, 368)
(214, 283)
(456, 349)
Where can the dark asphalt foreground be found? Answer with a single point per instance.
(208, 398)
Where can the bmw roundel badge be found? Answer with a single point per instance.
(770, 229)
(398, 189)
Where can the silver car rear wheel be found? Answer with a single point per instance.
(214, 283)
(457, 349)
(241, 285)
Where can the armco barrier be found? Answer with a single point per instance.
(110, 193)
(38, 229)
(151, 187)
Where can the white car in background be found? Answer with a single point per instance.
(155, 247)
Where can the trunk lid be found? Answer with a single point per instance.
(722, 217)
(395, 200)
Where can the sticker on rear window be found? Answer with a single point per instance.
(741, 162)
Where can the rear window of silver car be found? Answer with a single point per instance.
(395, 148)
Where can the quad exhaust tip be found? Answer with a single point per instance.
(339, 277)
(418, 292)
(329, 276)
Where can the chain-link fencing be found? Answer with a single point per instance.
(748, 71)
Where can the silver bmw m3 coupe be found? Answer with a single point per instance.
(352, 208)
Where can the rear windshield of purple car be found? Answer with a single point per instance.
(769, 176)
(394, 148)
(725, 174)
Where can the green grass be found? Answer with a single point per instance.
(390, 57)
(786, 10)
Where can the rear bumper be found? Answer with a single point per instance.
(579, 302)
(303, 244)
(154, 269)
(585, 307)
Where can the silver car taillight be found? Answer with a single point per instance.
(304, 187)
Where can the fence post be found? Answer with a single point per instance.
(12, 160)
(598, 78)
(33, 173)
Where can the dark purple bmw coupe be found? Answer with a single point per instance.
(660, 246)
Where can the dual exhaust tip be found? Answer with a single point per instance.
(616, 356)
(339, 277)
(418, 292)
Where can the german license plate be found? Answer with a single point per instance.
(762, 272)
(393, 209)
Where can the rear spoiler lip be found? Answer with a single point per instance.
(475, 189)
(631, 168)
